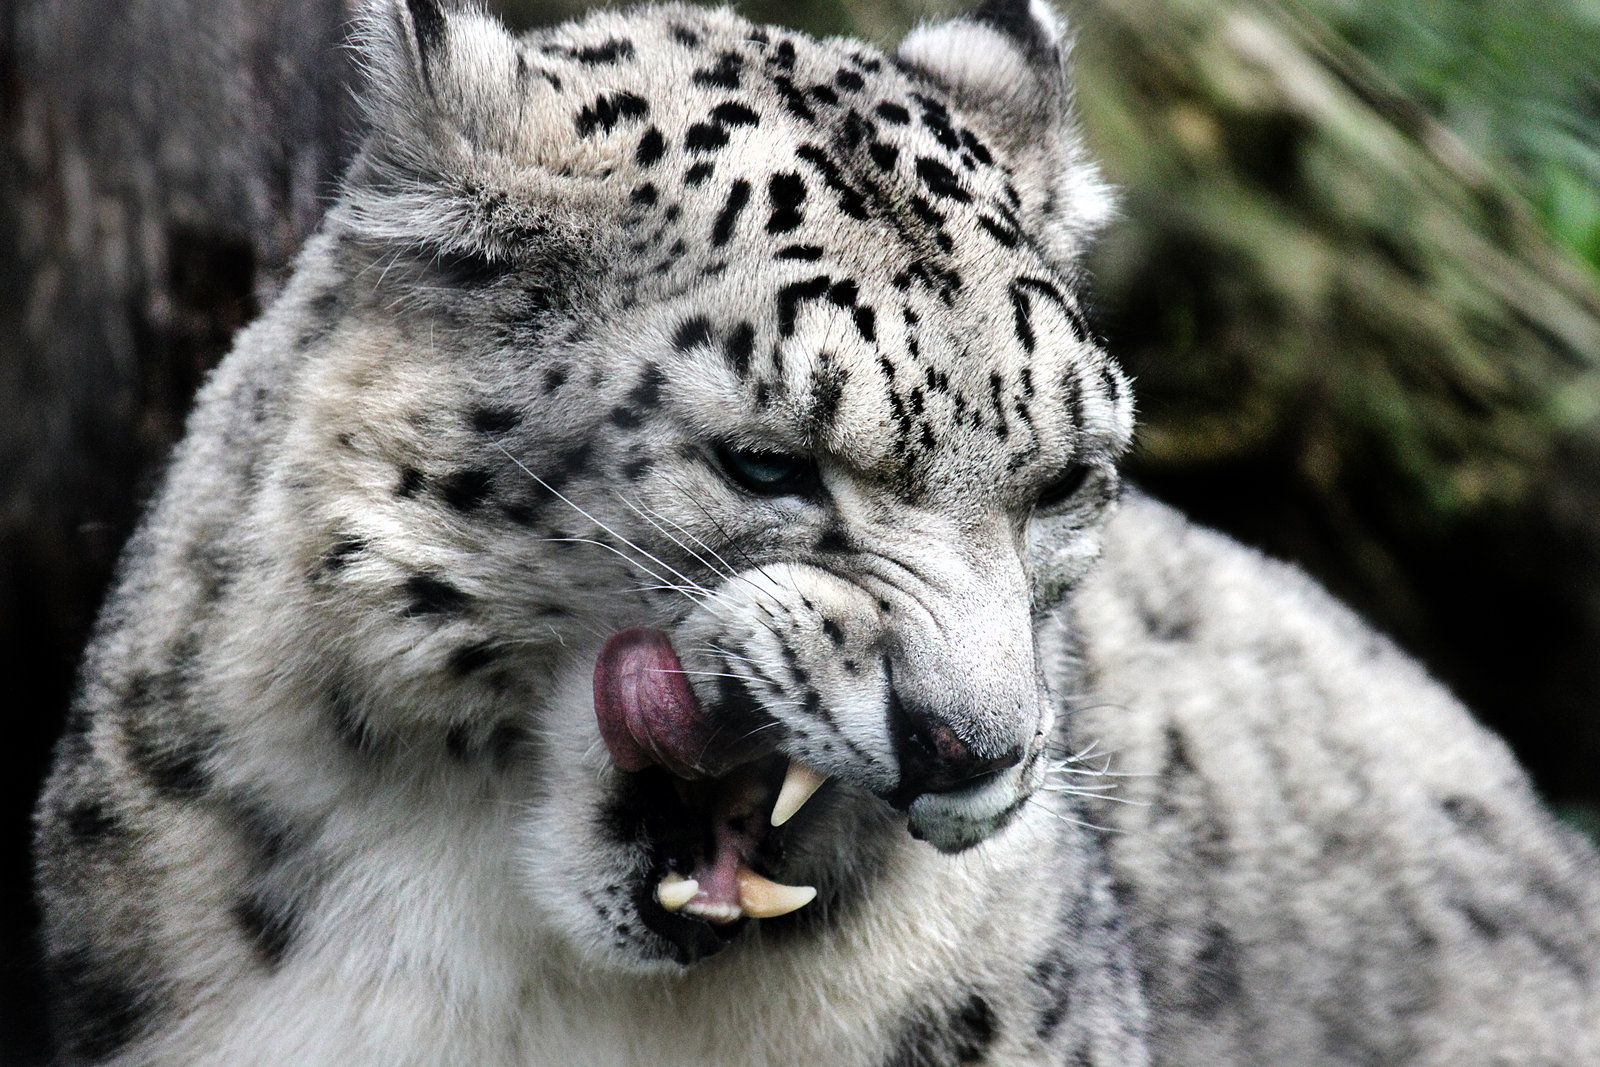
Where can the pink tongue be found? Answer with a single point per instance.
(734, 840)
(649, 718)
(648, 715)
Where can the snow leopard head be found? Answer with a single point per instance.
(715, 407)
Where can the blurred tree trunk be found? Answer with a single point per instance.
(1355, 347)
(160, 164)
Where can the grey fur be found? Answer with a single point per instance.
(334, 790)
(1329, 861)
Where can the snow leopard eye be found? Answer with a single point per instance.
(1064, 487)
(768, 473)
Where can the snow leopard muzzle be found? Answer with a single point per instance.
(723, 794)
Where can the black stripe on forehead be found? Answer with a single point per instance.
(793, 295)
(827, 391)
(1075, 318)
(1072, 394)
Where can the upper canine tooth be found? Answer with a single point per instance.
(798, 785)
(762, 898)
(675, 891)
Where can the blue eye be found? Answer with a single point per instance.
(768, 473)
(1064, 487)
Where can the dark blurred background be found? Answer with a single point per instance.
(1357, 279)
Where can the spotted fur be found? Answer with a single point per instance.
(334, 790)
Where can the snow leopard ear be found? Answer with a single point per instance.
(1005, 63)
(465, 152)
(422, 30)
(437, 71)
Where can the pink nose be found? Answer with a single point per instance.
(934, 758)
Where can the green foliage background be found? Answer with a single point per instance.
(1517, 80)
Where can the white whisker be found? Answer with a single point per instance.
(673, 538)
(613, 549)
(553, 491)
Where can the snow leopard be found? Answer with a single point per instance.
(656, 586)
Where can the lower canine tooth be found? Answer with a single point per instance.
(798, 785)
(675, 891)
(762, 898)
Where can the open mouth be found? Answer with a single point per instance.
(718, 822)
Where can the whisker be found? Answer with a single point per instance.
(1080, 790)
(1102, 771)
(1064, 817)
(1089, 795)
(563, 498)
(766, 669)
(726, 566)
(690, 591)
(733, 543)
(671, 537)
(698, 674)
(613, 549)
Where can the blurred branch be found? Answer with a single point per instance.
(1364, 276)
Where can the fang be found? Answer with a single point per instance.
(675, 891)
(798, 786)
(762, 898)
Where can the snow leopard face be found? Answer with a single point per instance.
(687, 410)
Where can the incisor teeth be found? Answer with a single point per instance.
(798, 785)
(721, 914)
(762, 898)
(675, 891)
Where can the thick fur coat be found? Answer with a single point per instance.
(671, 410)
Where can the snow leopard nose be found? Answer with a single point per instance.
(935, 758)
